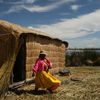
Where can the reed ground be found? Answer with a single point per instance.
(86, 86)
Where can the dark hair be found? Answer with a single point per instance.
(42, 56)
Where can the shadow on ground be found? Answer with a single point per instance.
(19, 92)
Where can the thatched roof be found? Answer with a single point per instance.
(17, 30)
(7, 27)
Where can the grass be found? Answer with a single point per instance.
(86, 88)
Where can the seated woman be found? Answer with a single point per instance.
(43, 78)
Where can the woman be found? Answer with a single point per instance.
(43, 79)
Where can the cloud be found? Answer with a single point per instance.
(19, 2)
(75, 27)
(40, 8)
(29, 6)
(29, 1)
(17, 5)
(75, 7)
(90, 43)
(14, 9)
(1, 1)
(93, 42)
(47, 7)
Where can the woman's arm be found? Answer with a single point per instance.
(49, 63)
(35, 67)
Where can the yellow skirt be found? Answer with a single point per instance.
(46, 80)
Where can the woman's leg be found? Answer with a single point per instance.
(36, 89)
(49, 90)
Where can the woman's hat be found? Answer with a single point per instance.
(43, 52)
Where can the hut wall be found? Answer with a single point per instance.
(55, 52)
(6, 47)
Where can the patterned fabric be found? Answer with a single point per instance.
(46, 80)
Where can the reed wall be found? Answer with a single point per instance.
(55, 52)
(6, 47)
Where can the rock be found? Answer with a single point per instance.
(65, 72)
(75, 79)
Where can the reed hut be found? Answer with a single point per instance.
(19, 49)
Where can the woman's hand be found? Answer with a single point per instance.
(33, 74)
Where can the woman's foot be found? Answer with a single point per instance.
(36, 89)
(49, 91)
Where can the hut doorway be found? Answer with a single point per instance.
(19, 70)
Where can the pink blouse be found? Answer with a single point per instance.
(41, 65)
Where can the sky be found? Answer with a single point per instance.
(74, 21)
